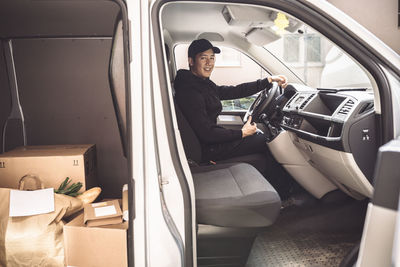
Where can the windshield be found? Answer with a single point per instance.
(312, 57)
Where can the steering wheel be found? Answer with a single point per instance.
(263, 103)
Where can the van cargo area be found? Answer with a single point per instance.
(54, 81)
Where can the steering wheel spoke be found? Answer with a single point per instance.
(263, 102)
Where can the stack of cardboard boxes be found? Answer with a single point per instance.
(104, 245)
(99, 245)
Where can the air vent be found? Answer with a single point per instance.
(290, 100)
(347, 107)
(306, 101)
(366, 107)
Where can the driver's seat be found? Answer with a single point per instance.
(192, 147)
(233, 203)
(250, 197)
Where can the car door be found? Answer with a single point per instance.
(380, 240)
(164, 227)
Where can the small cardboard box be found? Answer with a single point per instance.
(102, 213)
(101, 246)
(52, 164)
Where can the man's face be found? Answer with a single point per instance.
(203, 64)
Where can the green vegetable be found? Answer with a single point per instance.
(67, 189)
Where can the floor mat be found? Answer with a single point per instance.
(317, 235)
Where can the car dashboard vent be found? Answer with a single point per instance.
(346, 107)
(290, 101)
(366, 107)
(306, 101)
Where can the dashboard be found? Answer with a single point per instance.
(325, 116)
(336, 129)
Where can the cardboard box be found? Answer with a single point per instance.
(101, 246)
(52, 164)
(102, 213)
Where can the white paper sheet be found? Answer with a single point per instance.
(26, 203)
(105, 211)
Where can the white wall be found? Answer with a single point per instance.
(378, 16)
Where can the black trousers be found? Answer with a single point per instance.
(256, 143)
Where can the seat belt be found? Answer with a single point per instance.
(16, 117)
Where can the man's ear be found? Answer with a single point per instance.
(191, 62)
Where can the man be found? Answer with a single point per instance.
(200, 101)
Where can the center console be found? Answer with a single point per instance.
(325, 116)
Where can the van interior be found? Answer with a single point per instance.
(63, 81)
(321, 170)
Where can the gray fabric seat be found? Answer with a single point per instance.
(234, 195)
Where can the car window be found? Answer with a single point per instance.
(312, 57)
(232, 67)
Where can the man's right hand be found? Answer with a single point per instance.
(249, 128)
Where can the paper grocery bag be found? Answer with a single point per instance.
(4, 202)
(35, 240)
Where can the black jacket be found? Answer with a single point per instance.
(200, 102)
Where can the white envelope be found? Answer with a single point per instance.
(26, 203)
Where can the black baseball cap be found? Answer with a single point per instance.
(201, 45)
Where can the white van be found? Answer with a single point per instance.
(102, 72)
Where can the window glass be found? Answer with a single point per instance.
(314, 58)
(291, 48)
(231, 68)
(313, 46)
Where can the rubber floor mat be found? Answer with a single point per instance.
(300, 249)
(309, 237)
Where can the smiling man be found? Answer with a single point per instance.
(200, 101)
